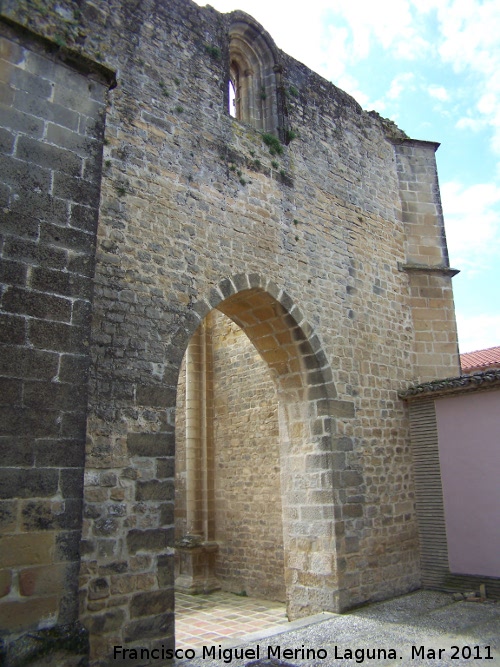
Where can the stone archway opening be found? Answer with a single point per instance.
(228, 515)
(306, 406)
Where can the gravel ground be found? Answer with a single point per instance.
(425, 628)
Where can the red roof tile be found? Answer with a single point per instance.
(480, 359)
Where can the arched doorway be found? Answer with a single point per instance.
(228, 489)
(307, 406)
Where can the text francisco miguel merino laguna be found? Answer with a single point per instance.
(227, 655)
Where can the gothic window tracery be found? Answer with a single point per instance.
(253, 75)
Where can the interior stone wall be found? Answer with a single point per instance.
(247, 490)
(249, 522)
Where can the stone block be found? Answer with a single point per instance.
(8, 516)
(13, 331)
(165, 569)
(42, 581)
(36, 205)
(72, 141)
(98, 589)
(150, 444)
(101, 624)
(351, 478)
(35, 253)
(48, 157)
(161, 627)
(34, 85)
(66, 237)
(47, 110)
(57, 336)
(166, 514)
(12, 273)
(5, 582)
(10, 392)
(52, 515)
(26, 549)
(154, 490)
(149, 540)
(32, 176)
(17, 451)
(58, 453)
(67, 546)
(17, 120)
(7, 140)
(36, 304)
(154, 395)
(76, 189)
(71, 483)
(352, 511)
(28, 482)
(165, 467)
(62, 283)
(151, 603)
(17, 616)
(84, 218)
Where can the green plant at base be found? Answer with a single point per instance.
(293, 91)
(290, 135)
(213, 51)
(274, 164)
(275, 147)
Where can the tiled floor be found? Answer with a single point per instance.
(216, 617)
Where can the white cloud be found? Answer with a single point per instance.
(439, 92)
(469, 123)
(470, 42)
(392, 24)
(472, 218)
(478, 332)
(400, 83)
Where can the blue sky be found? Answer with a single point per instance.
(432, 66)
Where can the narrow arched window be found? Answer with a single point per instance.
(253, 78)
(233, 86)
(234, 91)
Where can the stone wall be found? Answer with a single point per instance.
(306, 244)
(52, 122)
(249, 526)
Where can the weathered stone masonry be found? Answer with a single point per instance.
(129, 214)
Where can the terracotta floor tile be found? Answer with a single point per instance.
(205, 619)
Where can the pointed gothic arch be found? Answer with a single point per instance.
(311, 459)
